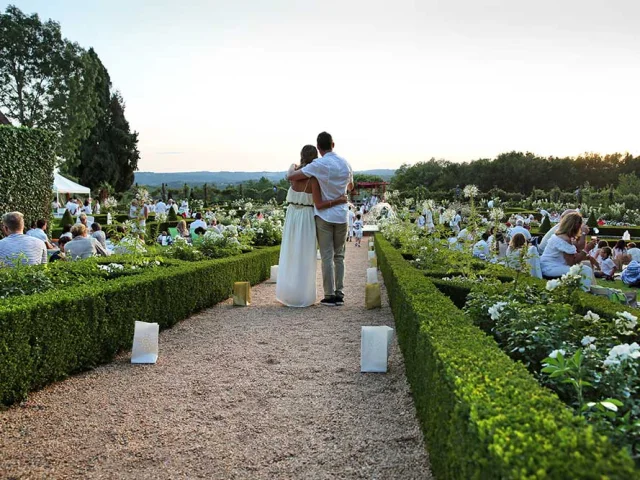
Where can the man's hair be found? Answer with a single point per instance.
(325, 142)
(96, 227)
(198, 216)
(41, 223)
(358, 216)
(519, 223)
(63, 240)
(78, 230)
(14, 221)
(485, 236)
(83, 216)
(199, 231)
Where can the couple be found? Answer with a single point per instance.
(317, 210)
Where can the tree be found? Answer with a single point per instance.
(545, 226)
(123, 144)
(45, 80)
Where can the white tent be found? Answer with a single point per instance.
(64, 185)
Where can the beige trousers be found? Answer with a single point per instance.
(332, 238)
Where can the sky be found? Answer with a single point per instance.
(242, 85)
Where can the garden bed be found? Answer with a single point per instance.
(47, 336)
(484, 415)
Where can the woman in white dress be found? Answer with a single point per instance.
(296, 284)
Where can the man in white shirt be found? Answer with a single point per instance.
(335, 176)
(420, 221)
(519, 228)
(352, 218)
(72, 206)
(18, 247)
(198, 222)
(39, 232)
(161, 207)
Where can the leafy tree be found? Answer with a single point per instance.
(45, 80)
(123, 144)
(364, 177)
(628, 184)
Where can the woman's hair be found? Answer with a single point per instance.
(307, 155)
(603, 243)
(570, 224)
(621, 245)
(86, 203)
(607, 251)
(517, 241)
(182, 225)
(78, 230)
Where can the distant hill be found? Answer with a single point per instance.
(178, 179)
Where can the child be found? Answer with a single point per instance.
(357, 227)
(607, 267)
(165, 239)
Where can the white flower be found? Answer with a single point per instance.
(576, 270)
(552, 284)
(259, 231)
(592, 317)
(626, 322)
(495, 310)
(587, 340)
(555, 353)
(496, 214)
(471, 191)
(622, 352)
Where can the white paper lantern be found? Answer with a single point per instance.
(274, 274)
(371, 255)
(375, 344)
(145, 343)
(372, 275)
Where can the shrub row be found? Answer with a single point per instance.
(483, 415)
(45, 337)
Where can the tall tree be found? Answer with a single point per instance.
(45, 80)
(123, 143)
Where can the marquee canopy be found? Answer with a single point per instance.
(64, 185)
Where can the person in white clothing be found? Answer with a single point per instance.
(352, 217)
(428, 220)
(420, 221)
(335, 177)
(296, 283)
(72, 206)
(519, 228)
(161, 207)
(633, 252)
(552, 231)
(481, 249)
(39, 232)
(198, 223)
(607, 267)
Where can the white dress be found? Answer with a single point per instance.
(296, 285)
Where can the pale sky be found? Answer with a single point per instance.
(244, 84)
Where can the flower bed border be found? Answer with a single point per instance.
(45, 337)
(483, 415)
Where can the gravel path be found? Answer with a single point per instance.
(238, 393)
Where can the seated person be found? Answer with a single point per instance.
(66, 231)
(18, 247)
(607, 267)
(164, 239)
(481, 249)
(198, 223)
(183, 231)
(595, 253)
(60, 255)
(631, 275)
(633, 252)
(39, 232)
(515, 252)
(82, 246)
(567, 248)
(519, 228)
(99, 235)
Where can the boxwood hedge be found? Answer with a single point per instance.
(45, 337)
(483, 415)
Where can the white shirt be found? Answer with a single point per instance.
(72, 207)
(421, 221)
(607, 266)
(519, 229)
(17, 244)
(352, 217)
(161, 207)
(39, 234)
(456, 220)
(552, 260)
(87, 210)
(198, 223)
(481, 249)
(334, 174)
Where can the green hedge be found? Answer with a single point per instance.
(27, 159)
(45, 337)
(483, 415)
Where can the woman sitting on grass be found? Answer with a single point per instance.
(183, 231)
(515, 252)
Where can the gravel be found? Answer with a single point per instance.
(238, 393)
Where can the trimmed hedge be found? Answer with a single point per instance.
(27, 158)
(483, 415)
(45, 337)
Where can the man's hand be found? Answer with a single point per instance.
(291, 170)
